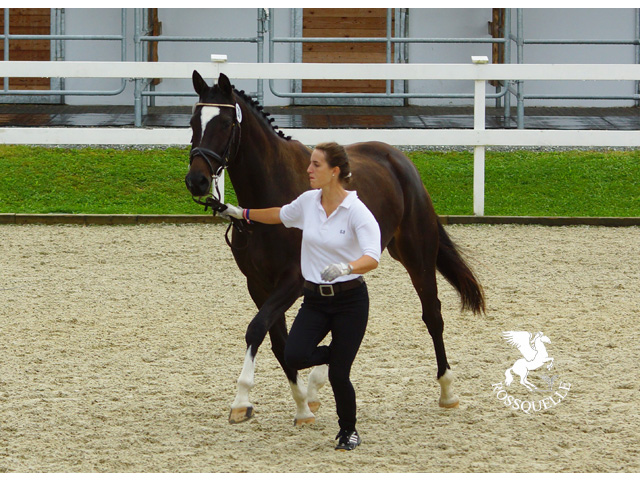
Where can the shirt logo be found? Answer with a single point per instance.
(342, 231)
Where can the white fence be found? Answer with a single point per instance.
(477, 72)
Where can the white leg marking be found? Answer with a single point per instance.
(299, 391)
(245, 382)
(206, 114)
(317, 378)
(447, 398)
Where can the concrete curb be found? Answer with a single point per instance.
(107, 219)
(134, 219)
(542, 220)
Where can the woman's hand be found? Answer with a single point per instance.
(232, 212)
(362, 265)
(335, 270)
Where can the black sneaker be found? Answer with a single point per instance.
(348, 440)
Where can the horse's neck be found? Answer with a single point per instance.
(268, 170)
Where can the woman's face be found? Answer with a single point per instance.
(320, 173)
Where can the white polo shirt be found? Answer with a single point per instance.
(349, 233)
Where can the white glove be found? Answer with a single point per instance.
(231, 212)
(335, 270)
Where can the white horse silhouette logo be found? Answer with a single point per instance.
(534, 353)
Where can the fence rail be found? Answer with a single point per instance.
(478, 72)
(348, 71)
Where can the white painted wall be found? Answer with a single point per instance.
(98, 21)
(449, 23)
(584, 23)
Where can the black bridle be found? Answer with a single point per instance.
(212, 200)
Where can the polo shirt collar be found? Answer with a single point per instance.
(346, 203)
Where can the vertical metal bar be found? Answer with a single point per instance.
(520, 56)
(507, 60)
(637, 101)
(405, 34)
(389, 30)
(145, 58)
(271, 36)
(262, 14)
(6, 46)
(63, 51)
(398, 55)
(137, 90)
(123, 30)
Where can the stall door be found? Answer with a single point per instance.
(344, 22)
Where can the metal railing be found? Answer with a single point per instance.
(142, 38)
(58, 54)
(389, 40)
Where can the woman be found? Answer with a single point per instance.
(340, 242)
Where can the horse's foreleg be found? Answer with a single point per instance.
(270, 318)
(241, 408)
(299, 392)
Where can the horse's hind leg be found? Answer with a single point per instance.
(317, 378)
(417, 252)
(278, 334)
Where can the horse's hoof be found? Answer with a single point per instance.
(239, 415)
(314, 406)
(299, 422)
(450, 404)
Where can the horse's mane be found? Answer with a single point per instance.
(255, 105)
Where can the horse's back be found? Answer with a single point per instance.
(389, 184)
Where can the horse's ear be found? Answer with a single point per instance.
(224, 84)
(199, 83)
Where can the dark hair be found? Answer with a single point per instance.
(336, 156)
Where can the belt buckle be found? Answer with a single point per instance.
(329, 291)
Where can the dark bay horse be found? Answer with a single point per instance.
(230, 131)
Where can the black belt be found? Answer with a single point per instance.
(335, 288)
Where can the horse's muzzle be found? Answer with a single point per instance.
(197, 183)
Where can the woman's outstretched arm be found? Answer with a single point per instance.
(264, 216)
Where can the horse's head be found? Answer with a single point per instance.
(542, 337)
(215, 126)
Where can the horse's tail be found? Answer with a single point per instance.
(508, 378)
(456, 271)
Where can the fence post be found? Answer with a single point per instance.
(479, 103)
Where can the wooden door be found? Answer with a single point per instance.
(27, 21)
(344, 22)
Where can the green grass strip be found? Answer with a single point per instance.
(520, 183)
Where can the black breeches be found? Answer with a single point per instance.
(345, 316)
